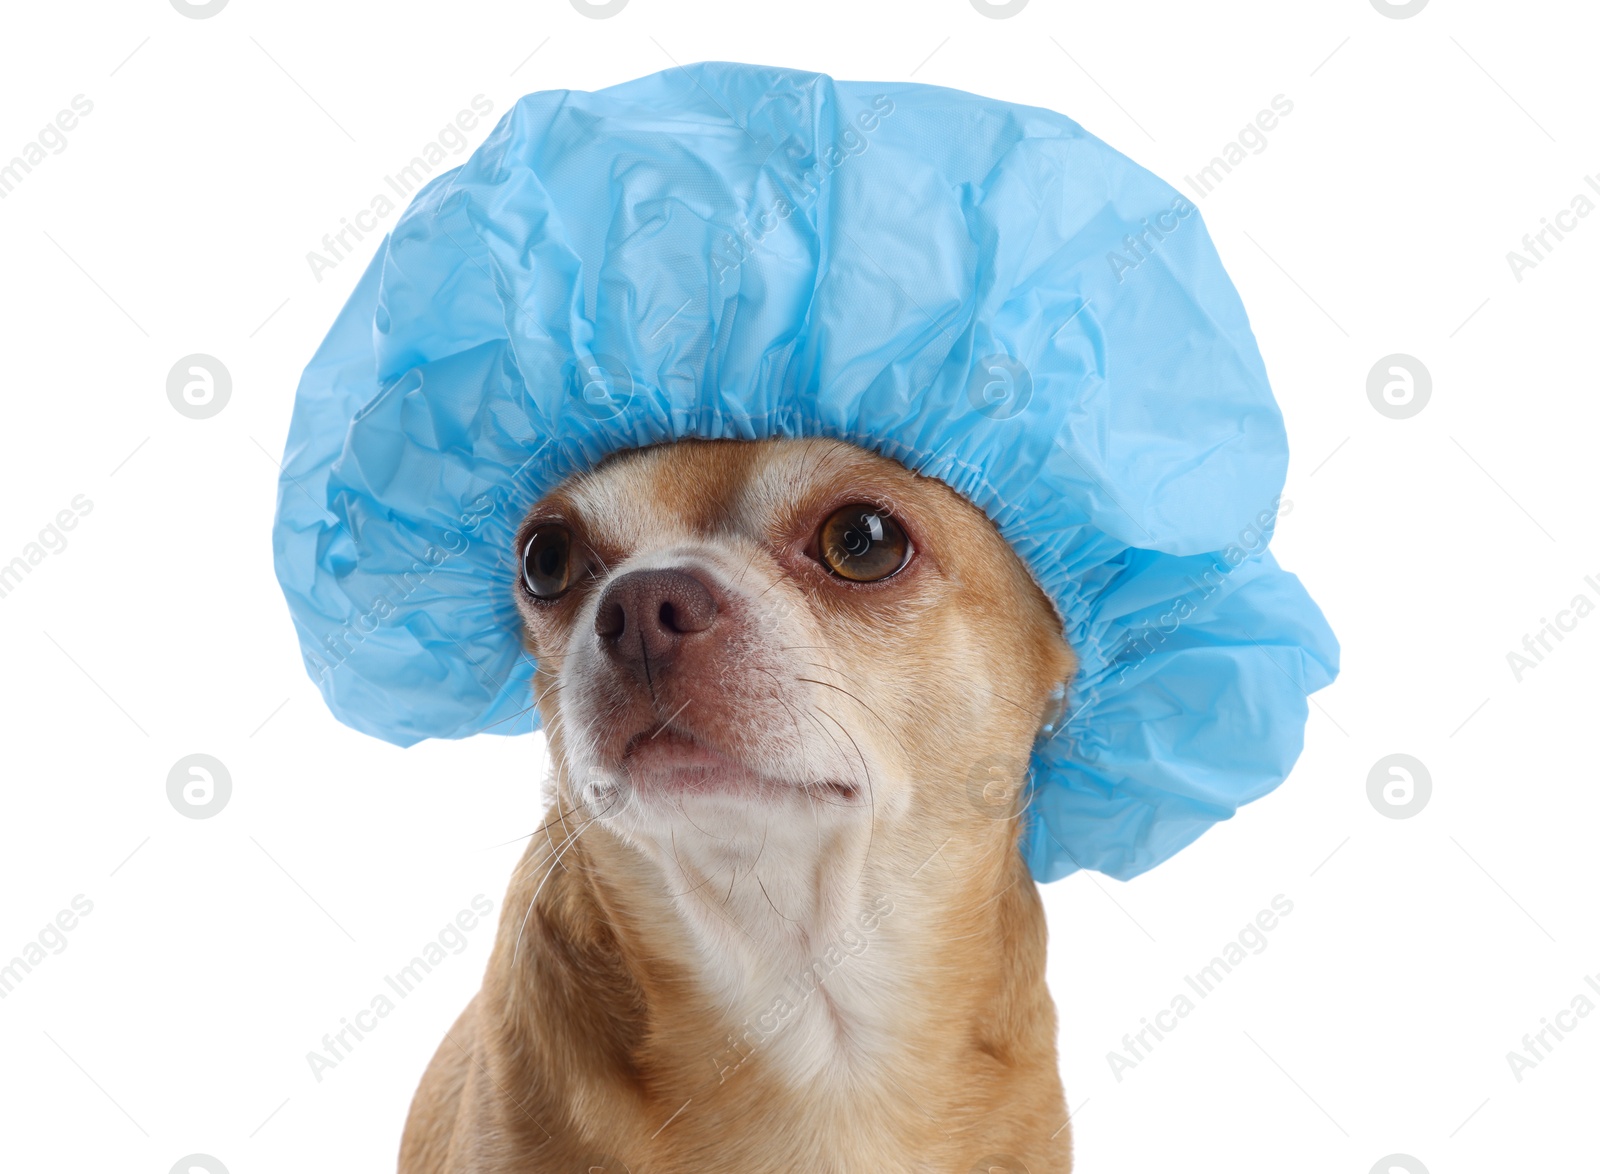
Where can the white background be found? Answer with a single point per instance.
(1377, 220)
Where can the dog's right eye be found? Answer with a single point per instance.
(863, 544)
(547, 562)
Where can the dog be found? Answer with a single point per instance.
(776, 918)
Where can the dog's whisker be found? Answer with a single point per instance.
(535, 831)
(566, 846)
(870, 711)
(872, 800)
(678, 860)
(775, 909)
(538, 697)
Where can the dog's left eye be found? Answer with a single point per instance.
(863, 544)
(547, 561)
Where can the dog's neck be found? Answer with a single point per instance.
(797, 928)
(797, 968)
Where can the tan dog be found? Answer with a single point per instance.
(776, 920)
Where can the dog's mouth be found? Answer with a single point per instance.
(671, 751)
(671, 761)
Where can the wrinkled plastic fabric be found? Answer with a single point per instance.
(982, 291)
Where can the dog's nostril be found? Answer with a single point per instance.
(610, 619)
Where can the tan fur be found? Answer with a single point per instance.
(631, 1015)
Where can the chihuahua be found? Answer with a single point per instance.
(776, 919)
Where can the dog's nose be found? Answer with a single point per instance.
(644, 616)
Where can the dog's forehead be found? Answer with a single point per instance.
(700, 488)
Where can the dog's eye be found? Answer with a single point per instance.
(863, 544)
(546, 561)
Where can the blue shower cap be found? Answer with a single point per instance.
(982, 291)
